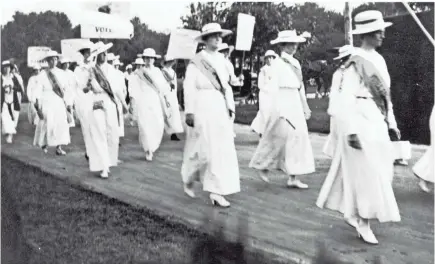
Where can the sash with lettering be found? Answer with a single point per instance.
(58, 90)
(296, 69)
(105, 85)
(169, 78)
(206, 68)
(373, 80)
(148, 78)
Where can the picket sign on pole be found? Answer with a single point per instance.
(182, 43)
(245, 34)
(99, 25)
(35, 55)
(419, 23)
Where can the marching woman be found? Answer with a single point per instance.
(120, 93)
(359, 184)
(424, 168)
(266, 94)
(285, 144)
(71, 85)
(210, 154)
(150, 102)
(105, 118)
(170, 75)
(11, 95)
(54, 101)
(31, 86)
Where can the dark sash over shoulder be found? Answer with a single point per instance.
(167, 75)
(105, 85)
(55, 84)
(297, 71)
(372, 79)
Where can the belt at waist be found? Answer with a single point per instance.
(289, 88)
(363, 97)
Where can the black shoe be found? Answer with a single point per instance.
(174, 137)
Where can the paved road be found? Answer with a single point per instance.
(282, 222)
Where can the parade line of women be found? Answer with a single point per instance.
(359, 182)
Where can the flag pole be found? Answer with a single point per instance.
(419, 23)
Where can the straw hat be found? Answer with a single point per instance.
(117, 62)
(6, 63)
(64, 59)
(88, 45)
(270, 53)
(167, 58)
(139, 61)
(369, 21)
(345, 51)
(212, 28)
(223, 46)
(129, 67)
(150, 53)
(288, 36)
(112, 57)
(100, 47)
(51, 53)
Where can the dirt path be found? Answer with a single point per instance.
(281, 221)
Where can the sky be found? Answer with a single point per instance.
(149, 12)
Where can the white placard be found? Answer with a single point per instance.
(105, 26)
(182, 44)
(245, 31)
(70, 47)
(35, 55)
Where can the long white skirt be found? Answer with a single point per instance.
(266, 106)
(359, 182)
(9, 123)
(210, 154)
(331, 142)
(424, 168)
(53, 130)
(32, 114)
(84, 112)
(150, 119)
(104, 134)
(121, 118)
(174, 123)
(283, 147)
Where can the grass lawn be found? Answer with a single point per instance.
(319, 121)
(66, 224)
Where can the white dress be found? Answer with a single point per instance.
(120, 91)
(83, 104)
(285, 144)
(104, 125)
(266, 97)
(53, 130)
(210, 154)
(424, 168)
(72, 90)
(148, 110)
(8, 119)
(32, 85)
(359, 182)
(175, 124)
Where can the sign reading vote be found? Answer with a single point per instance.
(105, 26)
(35, 55)
(182, 44)
(245, 31)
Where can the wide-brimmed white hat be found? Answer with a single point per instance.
(270, 53)
(369, 21)
(6, 62)
(117, 62)
(112, 57)
(129, 67)
(212, 28)
(167, 58)
(288, 36)
(64, 59)
(150, 53)
(87, 45)
(223, 46)
(51, 53)
(100, 47)
(139, 61)
(345, 51)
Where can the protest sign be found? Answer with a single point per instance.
(35, 55)
(105, 26)
(245, 31)
(70, 48)
(182, 44)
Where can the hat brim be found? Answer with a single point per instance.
(342, 56)
(51, 56)
(223, 33)
(102, 49)
(288, 40)
(149, 56)
(369, 30)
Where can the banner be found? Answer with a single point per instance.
(245, 31)
(182, 44)
(35, 55)
(104, 26)
(70, 47)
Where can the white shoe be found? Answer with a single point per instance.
(352, 221)
(366, 234)
(296, 184)
(149, 156)
(9, 139)
(219, 200)
(104, 174)
(423, 186)
(263, 176)
(120, 161)
(188, 191)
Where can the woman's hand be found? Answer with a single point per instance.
(307, 114)
(190, 120)
(354, 141)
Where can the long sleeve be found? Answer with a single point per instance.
(333, 97)
(262, 80)
(234, 81)
(391, 117)
(190, 90)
